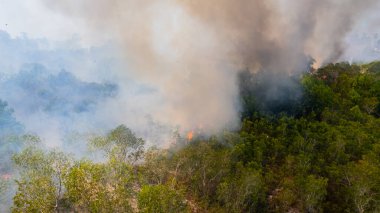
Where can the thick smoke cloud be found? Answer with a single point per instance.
(275, 35)
(190, 50)
(64, 93)
(179, 65)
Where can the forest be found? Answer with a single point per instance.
(313, 148)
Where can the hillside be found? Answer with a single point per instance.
(316, 149)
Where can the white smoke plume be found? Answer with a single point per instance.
(190, 51)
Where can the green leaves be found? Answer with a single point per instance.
(51, 181)
(161, 199)
(120, 144)
(324, 159)
(97, 188)
(108, 186)
(362, 180)
(40, 186)
(241, 191)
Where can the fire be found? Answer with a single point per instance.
(190, 135)
(316, 64)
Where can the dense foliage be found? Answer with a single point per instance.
(318, 152)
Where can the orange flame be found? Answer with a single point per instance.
(317, 64)
(190, 135)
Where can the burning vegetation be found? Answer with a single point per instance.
(318, 154)
(285, 127)
(190, 135)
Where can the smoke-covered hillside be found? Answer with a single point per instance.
(34, 89)
(317, 154)
(10, 128)
(189, 106)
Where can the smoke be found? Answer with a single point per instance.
(180, 59)
(189, 51)
(276, 34)
(195, 87)
(53, 105)
(176, 63)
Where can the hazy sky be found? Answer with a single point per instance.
(37, 21)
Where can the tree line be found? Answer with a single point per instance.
(319, 152)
